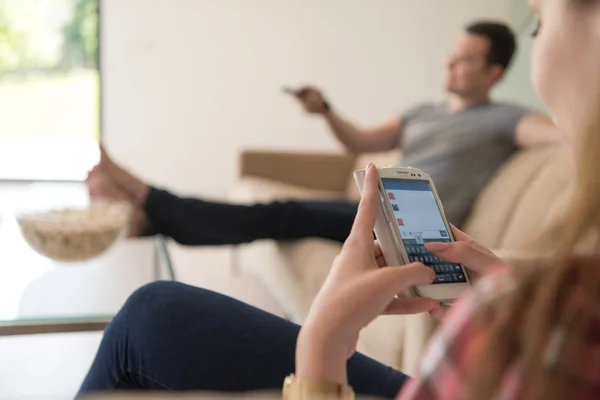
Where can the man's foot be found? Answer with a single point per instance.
(135, 188)
(100, 186)
(138, 221)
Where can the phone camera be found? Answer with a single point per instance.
(419, 174)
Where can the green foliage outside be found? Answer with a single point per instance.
(81, 35)
(48, 68)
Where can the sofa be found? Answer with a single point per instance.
(524, 196)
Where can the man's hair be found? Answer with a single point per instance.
(502, 41)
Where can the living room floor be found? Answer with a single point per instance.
(52, 366)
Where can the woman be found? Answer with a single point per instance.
(530, 332)
(527, 333)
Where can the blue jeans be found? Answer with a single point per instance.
(170, 336)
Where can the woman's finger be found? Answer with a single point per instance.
(414, 305)
(377, 249)
(466, 254)
(460, 236)
(439, 312)
(379, 258)
(362, 229)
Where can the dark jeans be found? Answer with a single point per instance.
(196, 222)
(170, 336)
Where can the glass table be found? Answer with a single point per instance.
(38, 295)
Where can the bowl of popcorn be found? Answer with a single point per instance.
(74, 233)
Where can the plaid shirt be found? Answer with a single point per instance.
(442, 375)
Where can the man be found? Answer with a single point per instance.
(460, 143)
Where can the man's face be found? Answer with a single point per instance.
(467, 70)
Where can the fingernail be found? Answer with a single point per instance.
(369, 166)
(437, 247)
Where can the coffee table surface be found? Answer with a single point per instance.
(38, 295)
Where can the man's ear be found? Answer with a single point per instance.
(495, 73)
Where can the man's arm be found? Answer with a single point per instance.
(537, 129)
(357, 140)
(381, 138)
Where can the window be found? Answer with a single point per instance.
(49, 88)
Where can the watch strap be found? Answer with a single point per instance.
(304, 389)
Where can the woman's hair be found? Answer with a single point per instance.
(524, 327)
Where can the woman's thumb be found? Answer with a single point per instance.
(400, 278)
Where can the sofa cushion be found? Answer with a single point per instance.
(259, 190)
(398, 340)
(503, 205)
(545, 200)
(292, 272)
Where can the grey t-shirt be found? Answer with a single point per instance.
(460, 151)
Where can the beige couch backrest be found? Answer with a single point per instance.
(379, 159)
(524, 197)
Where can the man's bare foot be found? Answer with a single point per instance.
(137, 222)
(136, 189)
(100, 186)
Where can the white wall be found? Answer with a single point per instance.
(188, 83)
(517, 84)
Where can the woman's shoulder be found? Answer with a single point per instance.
(456, 346)
(493, 293)
(489, 297)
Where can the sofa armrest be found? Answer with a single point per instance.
(319, 171)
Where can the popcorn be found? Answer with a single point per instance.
(75, 234)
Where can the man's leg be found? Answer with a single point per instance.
(196, 222)
(171, 336)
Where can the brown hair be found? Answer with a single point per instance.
(503, 44)
(522, 328)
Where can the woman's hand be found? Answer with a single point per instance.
(356, 291)
(478, 259)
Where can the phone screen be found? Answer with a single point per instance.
(419, 220)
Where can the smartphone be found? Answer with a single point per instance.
(411, 215)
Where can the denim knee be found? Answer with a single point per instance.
(151, 294)
(155, 298)
(147, 306)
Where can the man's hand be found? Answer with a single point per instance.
(312, 100)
